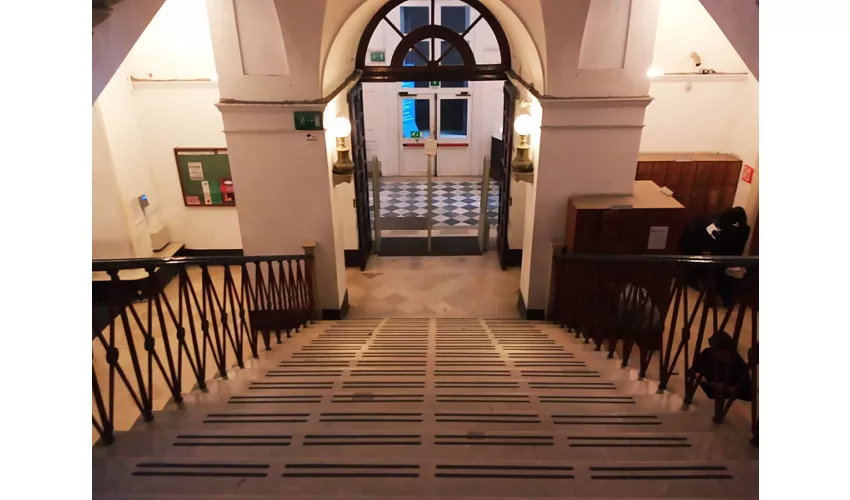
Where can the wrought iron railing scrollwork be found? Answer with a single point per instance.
(181, 332)
(696, 316)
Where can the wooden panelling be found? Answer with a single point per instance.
(704, 182)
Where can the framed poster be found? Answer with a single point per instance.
(205, 179)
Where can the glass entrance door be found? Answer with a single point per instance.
(444, 117)
(417, 113)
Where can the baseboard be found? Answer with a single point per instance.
(529, 314)
(354, 258)
(513, 258)
(337, 314)
(195, 252)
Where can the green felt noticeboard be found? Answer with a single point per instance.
(205, 178)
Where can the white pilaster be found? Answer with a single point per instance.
(283, 185)
(587, 146)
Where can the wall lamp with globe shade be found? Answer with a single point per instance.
(522, 164)
(341, 128)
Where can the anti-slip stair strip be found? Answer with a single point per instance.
(173, 469)
(232, 440)
(351, 471)
(490, 471)
(355, 417)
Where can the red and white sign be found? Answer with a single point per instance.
(747, 174)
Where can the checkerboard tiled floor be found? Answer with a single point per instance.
(456, 203)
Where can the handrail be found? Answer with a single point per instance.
(692, 313)
(221, 260)
(187, 320)
(678, 259)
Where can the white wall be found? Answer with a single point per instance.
(130, 161)
(144, 121)
(175, 116)
(714, 113)
(110, 233)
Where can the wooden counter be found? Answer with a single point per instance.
(623, 224)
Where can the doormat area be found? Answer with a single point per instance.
(418, 247)
(404, 223)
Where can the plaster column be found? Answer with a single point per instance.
(586, 146)
(284, 189)
(110, 231)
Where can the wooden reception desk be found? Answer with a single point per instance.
(645, 222)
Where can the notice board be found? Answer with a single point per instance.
(205, 178)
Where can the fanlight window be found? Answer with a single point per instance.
(434, 44)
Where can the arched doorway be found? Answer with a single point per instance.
(433, 57)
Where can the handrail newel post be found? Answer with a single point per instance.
(313, 282)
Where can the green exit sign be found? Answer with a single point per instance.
(378, 56)
(416, 135)
(435, 84)
(308, 120)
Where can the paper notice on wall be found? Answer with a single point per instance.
(206, 187)
(430, 147)
(196, 171)
(658, 237)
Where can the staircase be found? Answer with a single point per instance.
(427, 409)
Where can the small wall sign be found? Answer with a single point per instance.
(435, 84)
(378, 56)
(308, 120)
(747, 174)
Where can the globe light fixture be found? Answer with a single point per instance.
(524, 125)
(654, 72)
(341, 128)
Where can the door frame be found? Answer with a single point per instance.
(435, 96)
(508, 257)
(411, 145)
(361, 175)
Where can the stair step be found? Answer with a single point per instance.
(455, 419)
(316, 443)
(449, 477)
(475, 410)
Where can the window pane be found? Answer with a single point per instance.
(454, 118)
(414, 59)
(416, 117)
(455, 18)
(414, 17)
(452, 58)
(450, 55)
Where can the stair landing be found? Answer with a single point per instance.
(428, 409)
